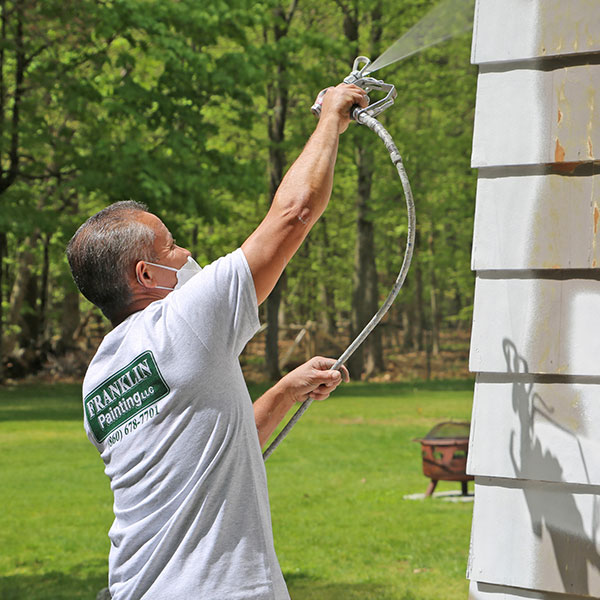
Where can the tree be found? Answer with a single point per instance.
(197, 109)
(365, 296)
(108, 105)
(277, 88)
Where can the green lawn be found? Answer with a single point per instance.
(342, 528)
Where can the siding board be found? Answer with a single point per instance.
(529, 220)
(485, 591)
(509, 30)
(537, 536)
(536, 326)
(528, 116)
(537, 431)
(546, 326)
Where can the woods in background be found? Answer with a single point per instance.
(197, 109)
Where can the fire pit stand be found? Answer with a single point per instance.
(444, 451)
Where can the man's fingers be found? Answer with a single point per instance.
(345, 374)
(347, 94)
(327, 377)
(359, 95)
(362, 99)
(324, 365)
(322, 379)
(320, 393)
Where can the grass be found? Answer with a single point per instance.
(342, 528)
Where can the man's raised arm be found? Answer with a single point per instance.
(303, 194)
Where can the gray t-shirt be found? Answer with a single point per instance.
(166, 405)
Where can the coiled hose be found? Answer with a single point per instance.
(373, 124)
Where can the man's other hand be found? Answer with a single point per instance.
(314, 379)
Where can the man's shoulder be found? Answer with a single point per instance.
(113, 345)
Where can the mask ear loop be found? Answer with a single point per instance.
(158, 287)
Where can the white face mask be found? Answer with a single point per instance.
(183, 274)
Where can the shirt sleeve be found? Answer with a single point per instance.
(219, 304)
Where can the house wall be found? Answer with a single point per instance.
(535, 346)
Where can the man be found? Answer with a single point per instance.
(165, 401)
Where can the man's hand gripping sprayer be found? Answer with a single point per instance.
(358, 76)
(366, 116)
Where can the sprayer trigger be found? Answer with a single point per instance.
(357, 77)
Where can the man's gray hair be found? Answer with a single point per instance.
(103, 253)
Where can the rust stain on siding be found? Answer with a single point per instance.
(559, 152)
(596, 217)
(590, 147)
(565, 167)
(559, 116)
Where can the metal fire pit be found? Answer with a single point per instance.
(444, 450)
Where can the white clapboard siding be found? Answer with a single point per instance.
(534, 535)
(529, 220)
(553, 326)
(535, 343)
(509, 30)
(536, 431)
(486, 591)
(529, 116)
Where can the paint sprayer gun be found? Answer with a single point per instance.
(358, 76)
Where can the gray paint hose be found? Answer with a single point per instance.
(378, 128)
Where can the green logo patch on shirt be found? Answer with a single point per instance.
(123, 395)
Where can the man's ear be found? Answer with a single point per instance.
(143, 275)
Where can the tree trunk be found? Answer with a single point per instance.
(365, 298)
(44, 288)
(375, 362)
(23, 305)
(408, 340)
(9, 175)
(328, 314)
(276, 166)
(277, 100)
(69, 320)
(3, 249)
(418, 303)
(369, 357)
(428, 356)
(435, 316)
(272, 337)
(458, 305)
(29, 338)
(18, 295)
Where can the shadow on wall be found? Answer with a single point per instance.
(559, 513)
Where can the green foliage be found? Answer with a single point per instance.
(167, 103)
